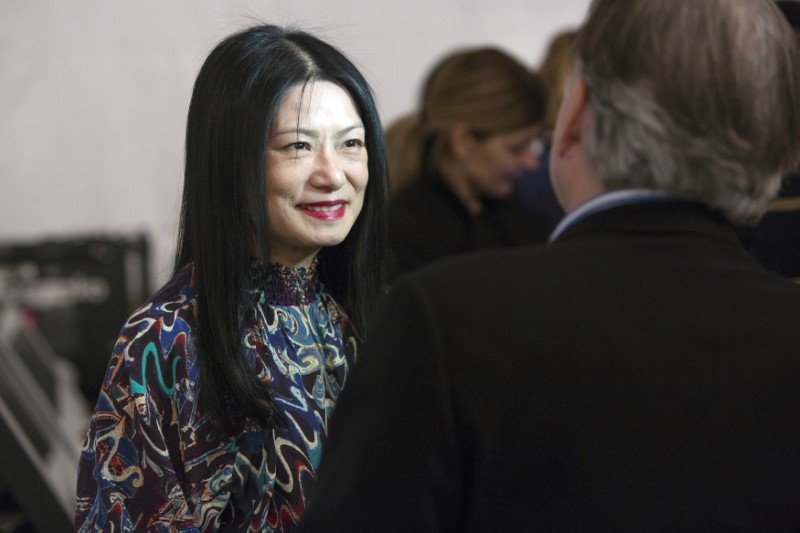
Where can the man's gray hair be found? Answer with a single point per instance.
(700, 98)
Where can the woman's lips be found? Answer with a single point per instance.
(324, 210)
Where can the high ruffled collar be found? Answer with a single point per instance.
(282, 285)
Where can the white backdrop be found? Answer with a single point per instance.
(94, 94)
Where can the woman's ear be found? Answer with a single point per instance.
(462, 141)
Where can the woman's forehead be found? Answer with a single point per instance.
(315, 103)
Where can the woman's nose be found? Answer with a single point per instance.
(327, 173)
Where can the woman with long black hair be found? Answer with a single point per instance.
(216, 402)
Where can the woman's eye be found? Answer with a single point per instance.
(297, 146)
(353, 143)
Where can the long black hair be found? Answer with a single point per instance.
(224, 219)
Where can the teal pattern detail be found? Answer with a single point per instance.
(141, 388)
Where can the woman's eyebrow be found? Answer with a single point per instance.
(313, 133)
(303, 131)
(345, 131)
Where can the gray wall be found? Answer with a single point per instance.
(94, 93)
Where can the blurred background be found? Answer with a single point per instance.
(93, 100)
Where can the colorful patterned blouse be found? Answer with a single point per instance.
(152, 462)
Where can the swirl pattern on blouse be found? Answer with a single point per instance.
(151, 461)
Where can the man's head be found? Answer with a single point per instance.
(699, 98)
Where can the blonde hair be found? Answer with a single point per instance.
(485, 88)
(403, 150)
(556, 69)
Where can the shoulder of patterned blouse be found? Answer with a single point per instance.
(173, 305)
(159, 334)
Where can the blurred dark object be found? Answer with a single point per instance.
(12, 519)
(791, 9)
(775, 241)
(43, 419)
(62, 303)
(536, 192)
(78, 292)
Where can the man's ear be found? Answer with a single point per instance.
(574, 108)
(572, 177)
(462, 141)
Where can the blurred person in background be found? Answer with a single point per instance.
(456, 160)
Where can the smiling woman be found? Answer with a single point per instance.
(316, 171)
(216, 403)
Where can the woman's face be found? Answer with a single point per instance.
(316, 172)
(494, 164)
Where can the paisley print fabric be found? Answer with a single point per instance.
(152, 462)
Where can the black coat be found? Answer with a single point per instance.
(428, 223)
(641, 373)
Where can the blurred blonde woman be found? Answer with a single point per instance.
(454, 163)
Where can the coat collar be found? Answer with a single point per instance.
(650, 218)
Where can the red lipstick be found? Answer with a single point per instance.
(331, 210)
